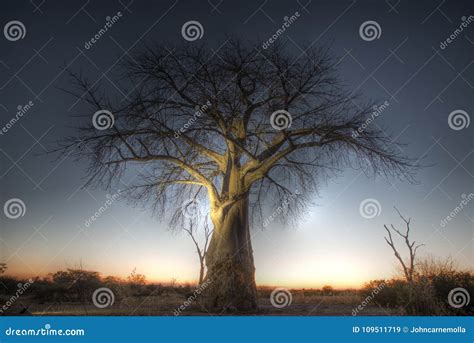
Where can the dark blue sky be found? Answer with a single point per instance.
(405, 66)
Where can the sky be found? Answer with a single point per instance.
(422, 79)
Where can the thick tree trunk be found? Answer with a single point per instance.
(230, 267)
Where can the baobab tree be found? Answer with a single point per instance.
(237, 129)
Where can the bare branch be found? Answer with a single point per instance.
(410, 269)
(193, 120)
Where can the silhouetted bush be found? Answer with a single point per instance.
(428, 293)
(75, 285)
(8, 284)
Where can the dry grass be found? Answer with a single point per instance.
(165, 305)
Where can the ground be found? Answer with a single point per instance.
(166, 304)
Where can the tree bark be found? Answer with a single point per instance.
(230, 266)
(201, 271)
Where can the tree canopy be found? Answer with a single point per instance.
(217, 124)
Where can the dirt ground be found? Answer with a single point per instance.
(165, 305)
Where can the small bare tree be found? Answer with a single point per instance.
(408, 268)
(191, 230)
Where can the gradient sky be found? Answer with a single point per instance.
(333, 244)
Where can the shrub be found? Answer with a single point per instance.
(427, 294)
(76, 284)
